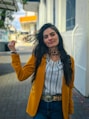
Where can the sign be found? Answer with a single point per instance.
(28, 19)
(3, 35)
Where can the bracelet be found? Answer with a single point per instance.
(13, 52)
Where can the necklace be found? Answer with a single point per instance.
(53, 51)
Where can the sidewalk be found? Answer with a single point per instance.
(14, 94)
(81, 106)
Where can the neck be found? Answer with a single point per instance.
(53, 51)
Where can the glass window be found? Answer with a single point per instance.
(70, 14)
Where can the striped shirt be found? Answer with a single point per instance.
(53, 77)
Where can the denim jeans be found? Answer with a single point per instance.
(49, 110)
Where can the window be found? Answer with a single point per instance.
(70, 14)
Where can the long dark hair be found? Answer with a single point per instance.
(42, 49)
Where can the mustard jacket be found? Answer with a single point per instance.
(37, 87)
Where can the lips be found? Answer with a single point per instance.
(50, 42)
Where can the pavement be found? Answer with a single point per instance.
(14, 94)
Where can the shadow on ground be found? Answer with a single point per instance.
(5, 68)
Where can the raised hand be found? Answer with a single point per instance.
(11, 45)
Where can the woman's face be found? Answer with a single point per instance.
(50, 38)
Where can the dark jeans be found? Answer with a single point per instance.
(49, 110)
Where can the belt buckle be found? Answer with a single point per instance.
(48, 98)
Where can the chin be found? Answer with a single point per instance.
(51, 46)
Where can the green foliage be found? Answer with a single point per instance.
(3, 13)
(1, 24)
(24, 1)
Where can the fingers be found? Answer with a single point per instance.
(11, 45)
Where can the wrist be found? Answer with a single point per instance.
(13, 52)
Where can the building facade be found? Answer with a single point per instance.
(72, 20)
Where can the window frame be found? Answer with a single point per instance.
(70, 14)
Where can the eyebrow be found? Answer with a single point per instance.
(50, 33)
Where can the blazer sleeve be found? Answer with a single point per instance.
(23, 72)
(71, 103)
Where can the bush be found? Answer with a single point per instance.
(1, 24)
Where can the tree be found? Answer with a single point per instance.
(3, 13)
(24, 1)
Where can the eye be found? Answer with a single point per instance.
(52, 34)
(45, 36)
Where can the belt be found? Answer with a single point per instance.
(50, 98)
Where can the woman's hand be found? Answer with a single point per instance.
(11, 46)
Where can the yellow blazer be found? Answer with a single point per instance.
(37, 87)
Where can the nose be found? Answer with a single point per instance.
(49, 37)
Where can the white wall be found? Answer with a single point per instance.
(77, 45)
(60, 14)
(42, 14)
(50, 11)
(81, 48)
(80, 56)
(45, 12)
(87, 82)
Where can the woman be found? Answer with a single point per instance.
(53, 75)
